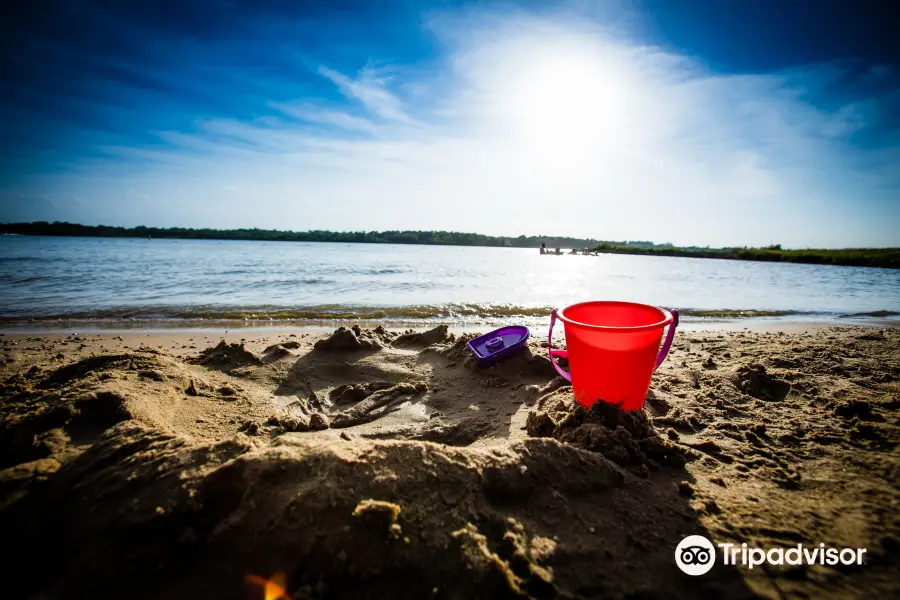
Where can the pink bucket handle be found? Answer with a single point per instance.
(559, 353)
(663, 351)
(670, 337)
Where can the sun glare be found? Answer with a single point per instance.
(566, 103)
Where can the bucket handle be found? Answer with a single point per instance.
(663, 351)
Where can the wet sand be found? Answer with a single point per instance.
(383, 465)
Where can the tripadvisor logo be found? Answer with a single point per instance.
(696, 555)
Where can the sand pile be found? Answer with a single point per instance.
(372, 468)
(355, 338)
(626, 438)
(227, 356)
(438, 335)
(456, 352)
(280, 351)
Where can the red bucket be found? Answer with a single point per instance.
(613, 350)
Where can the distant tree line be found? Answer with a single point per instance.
(432, 238)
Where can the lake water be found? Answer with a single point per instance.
(113, 279)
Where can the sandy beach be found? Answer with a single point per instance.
(377, 464)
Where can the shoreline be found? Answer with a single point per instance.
(791, 323)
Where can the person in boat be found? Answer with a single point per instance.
(543, 248)
(558, 251)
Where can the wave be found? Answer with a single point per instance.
(27, 280)
(874, 313)
(357, 270)
(292, 283)
(465, 313)
(383, 271)
(31, 259)
(739, 313)
(307, 313)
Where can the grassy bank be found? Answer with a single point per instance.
(855, 257)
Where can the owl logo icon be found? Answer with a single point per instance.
(695, 555)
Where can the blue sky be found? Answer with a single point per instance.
(694, 122)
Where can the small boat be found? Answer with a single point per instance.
(499, 344)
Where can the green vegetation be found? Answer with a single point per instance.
(431, 238)
(855, 257)
(865, 257)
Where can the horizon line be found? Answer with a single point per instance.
(432, 231)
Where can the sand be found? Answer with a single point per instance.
(383, 464)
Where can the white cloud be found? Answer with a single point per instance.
(371, 89)
(341, 120)
(539, 125)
